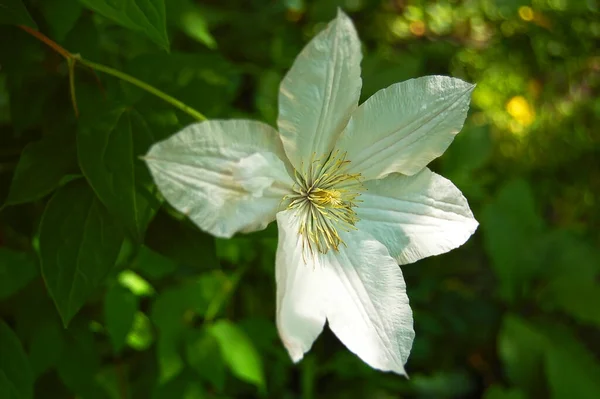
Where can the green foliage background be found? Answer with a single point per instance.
(104, 293)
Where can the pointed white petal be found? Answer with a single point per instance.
(227, 176)
(405, 126)
(416, 216)
(367, 305)
(320, 92)
(300, 313)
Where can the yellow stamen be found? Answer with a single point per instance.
(325, 197)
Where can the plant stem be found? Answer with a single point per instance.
(142, 85)
(72, 59)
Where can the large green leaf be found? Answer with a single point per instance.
(41, 167)
(16, 377)
(182, 242)
(61, 16)
(204, 355)
(146, 16)
(16, 270)
(571, 267)
(120, 307)
(79, 244)
(239, 353)
(46, 346)
(532, 351)
(80, 362)
(512, 227)
(108, 147)
(14, 12)
(180, 303)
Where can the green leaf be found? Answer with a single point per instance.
(521, 348)
(153, 264)
(41, 167)
(532, 351)
(239, 353)
(108, 147)
(145, 16)
(120, 307)
(566, 290)
(61, 16)
(182, 242)
(16, 270)
(80, 363)
(47, 344)
(79, 244)
(497, 392)
(184, 76)
(573, 371)
(512, 227)
(13, 12)
(141, 335)
(177, 304)
(14, 366)
(204, 356)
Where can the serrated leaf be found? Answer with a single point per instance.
(41, 167)
(145, 16)
(79, 244)
(239, 353)
(13, 12)
(61, 16)
(120, 307)
(203, 354)
(16, 270)
(14, 365)
(108, 147)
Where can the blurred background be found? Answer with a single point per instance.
(157, 309)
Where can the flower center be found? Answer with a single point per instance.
(325, 198)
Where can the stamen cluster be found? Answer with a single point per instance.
(325, 198)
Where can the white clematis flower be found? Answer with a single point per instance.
(348, 186)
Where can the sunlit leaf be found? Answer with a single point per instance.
(203, 354)
(141, 336)
(239, 353)
(120, 307)
(16, 376)
(79, 244)
(146, 16)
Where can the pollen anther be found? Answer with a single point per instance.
(325, 198)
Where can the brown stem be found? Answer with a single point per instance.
(55, 46)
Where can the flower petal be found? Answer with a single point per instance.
(416, 216)
(227, 176)
(300, 313)
(405, 126)
(367, 305)
(319, 92)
